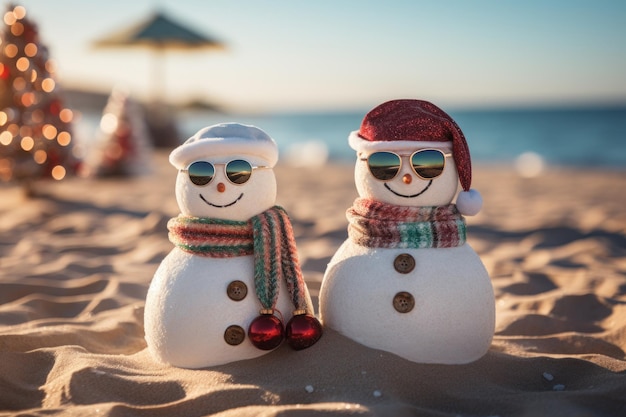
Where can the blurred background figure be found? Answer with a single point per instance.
(123, 145)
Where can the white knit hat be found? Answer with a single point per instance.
(227, 139)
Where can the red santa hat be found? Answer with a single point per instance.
(398, 124)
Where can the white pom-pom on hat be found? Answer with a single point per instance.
(469, 202)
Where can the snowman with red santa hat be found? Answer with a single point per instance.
(406, 281)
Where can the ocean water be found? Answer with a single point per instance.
(583, 136)
(592, 137)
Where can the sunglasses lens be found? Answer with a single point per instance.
(238, 171)
(201, 172)
(384, 165)
(428, 163)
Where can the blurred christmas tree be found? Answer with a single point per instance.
(123, 148)
(35, 127)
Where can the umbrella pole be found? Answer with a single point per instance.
(158, 75)
(160, 116)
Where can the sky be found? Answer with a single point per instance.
(349, 54)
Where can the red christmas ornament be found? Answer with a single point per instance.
(266, 332)
(303, 331)
(54, 107)
(4, 71)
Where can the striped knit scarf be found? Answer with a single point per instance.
(379, 225)
(268, 236)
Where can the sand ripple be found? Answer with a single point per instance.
(77, 261)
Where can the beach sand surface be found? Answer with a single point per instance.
(76, 262)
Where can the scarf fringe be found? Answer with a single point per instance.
(268, 236)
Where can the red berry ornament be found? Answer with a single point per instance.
(303, 331)
(266, 332)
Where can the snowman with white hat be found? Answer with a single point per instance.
(232, 287)
(406, 281)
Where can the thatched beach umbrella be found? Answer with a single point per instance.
(160, 34)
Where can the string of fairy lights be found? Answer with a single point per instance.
(35, 126)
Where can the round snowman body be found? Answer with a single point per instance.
(429, 305)
(199, 308)
(451, 318)
(195, 313)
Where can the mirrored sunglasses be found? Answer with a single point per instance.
(426, 163)
(237, 171)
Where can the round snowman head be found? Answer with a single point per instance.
(225, 172)
(419, 174)
(411, 153)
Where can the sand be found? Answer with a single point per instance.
(76, 263)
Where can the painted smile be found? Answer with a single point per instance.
(409, 196)
(217, 205)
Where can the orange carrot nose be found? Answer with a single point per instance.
(221, 187)
(407, 179)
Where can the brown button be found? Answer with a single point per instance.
(237, 290)
(404, 263)
(234, 335)
(403, 302)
